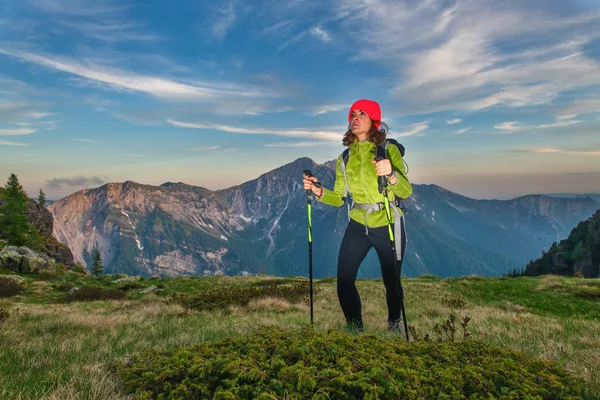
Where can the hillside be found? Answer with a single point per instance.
(55, 345)
(578, 254)
(43, 222)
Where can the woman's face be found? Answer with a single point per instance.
(360, 123)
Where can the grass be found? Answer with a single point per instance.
(53, 350)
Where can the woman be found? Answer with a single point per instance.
(364, 231)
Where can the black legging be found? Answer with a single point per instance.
(353, 250)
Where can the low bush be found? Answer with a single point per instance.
(9, 287)
(241, 296)
(93, 293)
(272, 363)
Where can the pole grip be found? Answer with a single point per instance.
(381, 180)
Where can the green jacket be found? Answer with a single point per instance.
(362, 182)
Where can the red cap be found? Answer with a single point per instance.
(370, 107)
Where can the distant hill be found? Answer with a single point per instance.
(595, 196)
(578, 254)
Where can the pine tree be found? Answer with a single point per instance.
(13, 217)
(42, 199)
(97, 267)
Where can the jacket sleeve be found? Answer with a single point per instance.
(335, 197)
(402, 188)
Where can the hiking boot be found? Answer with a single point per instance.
(395, 326)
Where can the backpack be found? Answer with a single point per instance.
(381, 151)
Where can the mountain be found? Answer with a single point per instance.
(261, 225)
(595, 196)
(578, 254)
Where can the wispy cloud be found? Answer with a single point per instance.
(19, 131)
(580, 107)
(324, 109)
(320, 33)
(464, 130)
(514, 126)
(76, 181)
(102, 20)
(205, 148)
(137, 155)
(453, 121)
(85, 140)
(415, 129)
(113, 78)
(9, 143)
(225, 18)
(304, 133)
(456, 55)
(303, 144)
(554, 150)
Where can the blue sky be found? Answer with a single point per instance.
(491, 99)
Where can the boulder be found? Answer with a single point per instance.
(151, 289)
(127, 279)
(23, 259)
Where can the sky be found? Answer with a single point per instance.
(492, 99)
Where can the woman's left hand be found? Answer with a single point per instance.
(383, 167)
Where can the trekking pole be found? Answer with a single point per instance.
(381, 180)
(310, 267)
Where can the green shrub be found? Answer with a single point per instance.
(130, 285)
(9, 287)
(225, 297)
(80, 269)
(92, 293)
(275, 364)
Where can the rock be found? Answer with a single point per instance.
(127, 279)
(151, 289)
(19, 279)
(72, 291)
(23, 259)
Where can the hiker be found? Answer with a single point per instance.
(367, 228)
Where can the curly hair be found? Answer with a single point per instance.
(374, 135)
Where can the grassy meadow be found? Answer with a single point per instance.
(53, 349)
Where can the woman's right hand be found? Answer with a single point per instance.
(308, 184)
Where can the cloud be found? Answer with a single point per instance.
(324, 109)
(304, 133)
(464, 130)
(20, 131)
(205, 148)
(101, 20)
(77, 7)
(513, 126)
(303, 144)
(224, 20)
(9, 143)
(137, 155)
(554, 150)
(85, 140)
(414, 129)
(580, 107)
(76, 181)
(116, 79)
(320, 33)
(474, 54)
(453, 121)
